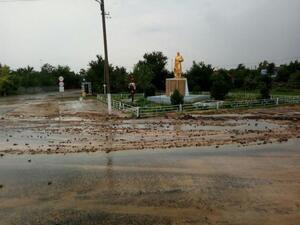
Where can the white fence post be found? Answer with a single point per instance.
(180, 108)
(138, 112)
(218, 105)
(277, 101)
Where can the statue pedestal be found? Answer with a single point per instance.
(177, 83)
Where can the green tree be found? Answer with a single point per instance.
(265, 87)
(199, 76)
(239, 76)
(143, 75)
(28, 77)
(156, 62)
(294, 66)
(177, 98)
(221, 84)
(119, 79)
(71, 80)
(251, 80)
(4, 70)
(283, 74)
(294, 80)
(8, 81)
(47, 76)
(95, 74)
(270, 67)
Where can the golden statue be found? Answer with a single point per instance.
(178, 67)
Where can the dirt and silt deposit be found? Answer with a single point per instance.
(226, 168)
(47, 125)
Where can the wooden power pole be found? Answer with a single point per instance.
(106, 66)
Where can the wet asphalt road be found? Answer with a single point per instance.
(229, 185)
(222, 185)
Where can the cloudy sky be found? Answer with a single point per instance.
(220, 32)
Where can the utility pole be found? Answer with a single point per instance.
(106, 63)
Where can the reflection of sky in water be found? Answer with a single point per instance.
(134, 178)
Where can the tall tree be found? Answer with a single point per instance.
(199, 76)
(270, 67)
(157, 62)
(265, 86)
(71, 80)
(144, 76)
(239, 76)
(251, 80)
(119, 79)
(8, 81)
(221, 84)
(95, 74)
(294, 80)
(283, 74)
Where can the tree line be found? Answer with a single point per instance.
(150, 74)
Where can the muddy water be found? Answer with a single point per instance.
(229, 185)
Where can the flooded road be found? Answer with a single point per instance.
(229, 185)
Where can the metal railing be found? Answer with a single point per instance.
(140, 112)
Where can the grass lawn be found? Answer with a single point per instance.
(236, 95)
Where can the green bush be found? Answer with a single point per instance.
(177, 98)
(265, 87)
(221, 84)
(265, 93)
(294, 80)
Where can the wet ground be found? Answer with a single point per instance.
(63, 162)
(230, 185)
(51, 123)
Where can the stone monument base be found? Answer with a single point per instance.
(176, 83)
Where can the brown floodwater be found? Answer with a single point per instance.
(226, 185)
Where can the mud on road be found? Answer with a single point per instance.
(207, 186)
(50, 124)
(230, 168)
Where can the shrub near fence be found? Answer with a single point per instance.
(160, 110)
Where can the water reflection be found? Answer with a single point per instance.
(109, 175)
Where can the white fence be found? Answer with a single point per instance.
(160, 110)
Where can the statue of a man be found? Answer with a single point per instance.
(178, 67)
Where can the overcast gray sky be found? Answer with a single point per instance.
(220, 32)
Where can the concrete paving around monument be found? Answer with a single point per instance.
(163, 99)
